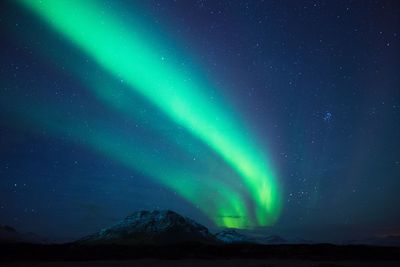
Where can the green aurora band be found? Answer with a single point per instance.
(125, 51)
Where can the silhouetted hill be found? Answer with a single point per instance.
(9, 235)
(378, 241)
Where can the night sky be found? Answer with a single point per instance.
(274, 117)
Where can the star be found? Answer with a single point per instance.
(327, 117)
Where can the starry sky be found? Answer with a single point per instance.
(274, 117)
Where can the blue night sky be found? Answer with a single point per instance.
(300, 99)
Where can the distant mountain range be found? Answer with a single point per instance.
(168, 227)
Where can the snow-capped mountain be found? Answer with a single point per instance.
(151, 227)
(231, 236)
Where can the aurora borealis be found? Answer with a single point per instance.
(217, 125)
(172, 89)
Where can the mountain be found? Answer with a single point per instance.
(151, 227)
(10, 235)
(387, 241)
(231, 236)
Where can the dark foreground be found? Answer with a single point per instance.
(191, 254)
(207, 263)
